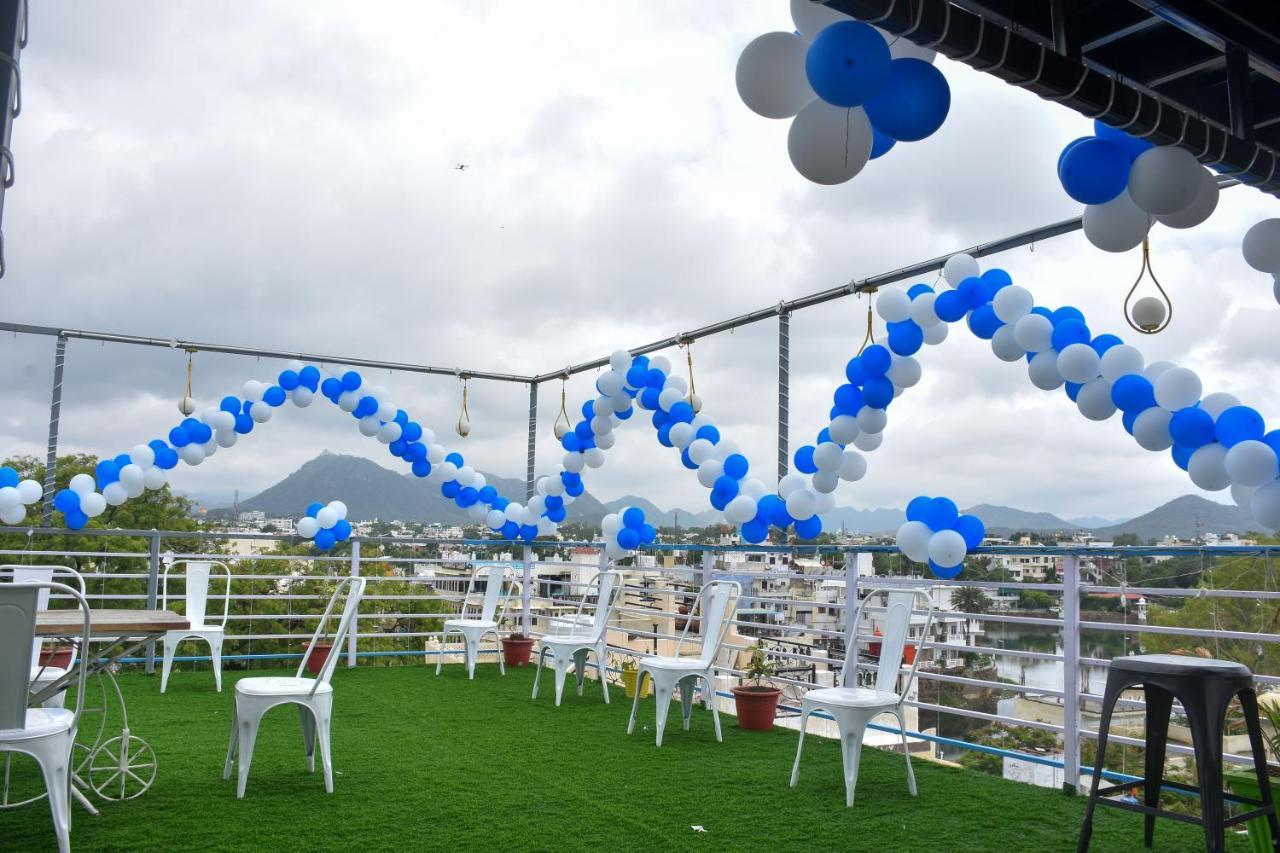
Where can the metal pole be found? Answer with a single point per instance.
(13, 37)
(526, 617)
(55, 408)
(533, 439)
(1071, 673)
(850, 618)
(355, 617)
(784, 389)
(153, 585)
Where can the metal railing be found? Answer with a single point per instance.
(795, 602)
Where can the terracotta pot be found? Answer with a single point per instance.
(694, 628)
(516, 650)
(57, 657)
(909, 654)
(319, 654)
(757, 706)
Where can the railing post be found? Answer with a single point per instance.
(850, 618)
(153, 588)
(352, 640)
(526, 580)
(1071, 673)
(708, 570)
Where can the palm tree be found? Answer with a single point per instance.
(971, 599)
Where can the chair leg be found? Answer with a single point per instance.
(308, 736)
(232, 740)
(444, 635)
(323, 716)
(601, 672)
(537, 676)
(1207, 725)
(1111, 694)
(710, 680)
(1159, 705)
(804, 724)
(851, 731)
(166, 665)
(248, 734)
(662, 689)
(502, 659)
(215, 652)
(1249, 704)
(471, 648)
(635, 703)
(580, 667)
(562, 670)
(54, 757)
(906, 750)
(686, 699)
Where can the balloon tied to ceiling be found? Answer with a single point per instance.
(854, 91)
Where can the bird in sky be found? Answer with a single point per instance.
(461, 167)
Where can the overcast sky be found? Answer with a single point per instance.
(282, 175)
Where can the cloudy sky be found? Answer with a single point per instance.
(282, 175)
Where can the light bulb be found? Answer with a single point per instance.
(1148, 313)
(186, 405)
(696, 402)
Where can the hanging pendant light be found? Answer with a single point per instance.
(1148, 315)
(464, 417)
(187, 405)
(869, 338)
(562, 425)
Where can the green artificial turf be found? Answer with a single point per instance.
(441, 763)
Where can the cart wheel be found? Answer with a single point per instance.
(122, 768)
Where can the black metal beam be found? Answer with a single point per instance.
(13, 37)
(1239, 97)
(1030, 64)
(1065, 16)
(1215, 23)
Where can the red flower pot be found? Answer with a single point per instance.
(516, 650)
(319, 654)
(57, 657)
(757, 706)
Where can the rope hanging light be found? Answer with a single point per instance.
(187, 405)
(869, 338)
(464, 417)
(694, 400)
(562, 425)
(1148, 315)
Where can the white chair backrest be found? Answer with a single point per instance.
(714, 609)
(42, 575)
(19, 603)
(353, 590)
(196, 593)
(898, 607)
(495, 578)
(604, 590)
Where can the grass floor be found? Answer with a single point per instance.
(440, 763)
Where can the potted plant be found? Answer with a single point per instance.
(1244, 783)
(757, 703)
(57, 656)
(318, 655)
(629, 673)
(516, 649)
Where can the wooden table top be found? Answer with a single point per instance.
(120, 623)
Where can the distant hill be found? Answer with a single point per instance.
(1005, 519)
(1184, 517)
(665, 517)
(863, 520)
(1089, 521)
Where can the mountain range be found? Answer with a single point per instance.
(371, 491)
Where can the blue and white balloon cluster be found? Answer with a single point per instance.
(1261, 249)
(855, 91)
(16, 494)
(325, 524)
(938, 535)
(1127, 184)
(626, 531)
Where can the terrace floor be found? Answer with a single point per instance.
(427, 763)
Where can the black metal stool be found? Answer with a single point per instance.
(1204, 687)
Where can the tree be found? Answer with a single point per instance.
(1034, 599)
(971, 599)
(1126, 539)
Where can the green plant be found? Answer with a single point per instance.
(629, 665)
(758, 667)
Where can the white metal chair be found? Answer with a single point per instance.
(852, 707)
(602, 593)
(716, 604)
(196, 596)
(486, 618)
(46, 734)
(44, 675)
(313, 696)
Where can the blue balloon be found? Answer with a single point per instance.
(824, 435)
(996, 280)
(450, 489)
(107, 472)
(880, 144)
(552, 501)
(1239, 423)
(664, 436)
(1192, 427)
(709, 432)
(948, 306)
(201, 433)
(365, 407)
(557, 514)
(588, 410)
(230, 404)
(309, 377)
(1102, 343)
(848, 63)
(1132, 145)
(1181, 455)
(686, 459)
(946, 573)
(719, 499)
(178, 437)
(331, 388)
(1127, 420)
(878, 392)
(313, 509)
(655, 378)
(488, 493)
(971, 292)
(983, 322)
(918, 290)
(574, 489)
(913, 103)
(736, 466)
(1045, 313)
(848, 399)
(76, 519)
(876, 360)
(628, 538)
(288, 380)
(456, 458)
(421, 468)
(905, 337)
(755, 531)
(1066, 312)
(854, 372)
(1133, 393)
(402, 417)
(467, 496)
(8, 477)
(809, 528)
(1094, 171)
(410, 430)
(500, 502)
(804, 460)
(350, 380)
(1272, 440)
(635, 375)
(66, 501)
(570, 442)
(325, 539)
(660, 418)
(1069, 332)
(1072, 144)
(917, 507)
(528, 532)
(681, 412)
(972, 529)
(940, 514)
(341, 530)
(624, 414)
(509, 530)
(727, 486)
(648, 533)
(1072, 390)
(649, 398)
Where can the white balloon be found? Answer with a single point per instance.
(710, 471)
(606, 440)
(327, 517)
(771, 76)
(753, 488)
(789, 484)
(1034, 333)
(389, 432)
(1275, 287)
(116, 494)
(1177, 388)
(593, 456)
(152, 478)
(1116, 226)
(131, 476)
(913, 540)
(922, 310)
(1218, 402)
(1094, 400)
(1121, 360)
(853, 466)
(192, 454)
(448, 471)
(893, 305)
(905, 372)
(1242, 495)
(14, 514)
(1148, 313)
(1012, 303)
(221, 421)
(610, 383)
(959, 267)
(824, 483)
(740, 510)
(339, 507)
(1251, 463)
(611, 524)
(947, 548)
(829, 144)
(802, 504)
(515, 512)
(700, 450)
(94, 504)
(261, 413)
(1151, 429)
(827, 456)
(602, 425)
(253, 390)
(546, 527)
(1266, 505)
(843, 428)
(308, 527)
(1200, 208)
(1208, 468)
(812, 18)
(1261, 246)
(82, 484)
(1004, 343)
(620, 360)
(868, 441)
(10, 498)
(210, 447)
(669, 397)
(935, 334)
(30, 491)
(226, 437)
(368, 426)
(1078, 363)
(144, 457)
(1043, 372)
(347, 401)
(1164, 179)
(681, 435)
(302, 397)
(871, 420)
(494, 519)
(537, 505)
(1155, 370)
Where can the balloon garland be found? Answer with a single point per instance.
(625, 531)
(325, 524)
(854, 91)
(1261, 249)
(16, 494)
(938, 535)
